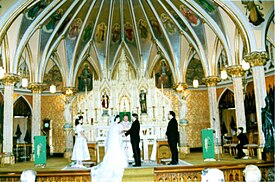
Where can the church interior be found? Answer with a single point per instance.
(209, 61)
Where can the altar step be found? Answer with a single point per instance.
(138, 174)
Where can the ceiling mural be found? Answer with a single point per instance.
(94, 32)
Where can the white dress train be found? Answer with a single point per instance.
(115, 158)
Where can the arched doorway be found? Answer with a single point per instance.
(21, 121)
(227, 113)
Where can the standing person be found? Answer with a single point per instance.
(242, 141)
(135, 139)
(173, 137)
(126, 139)
(115, 158)
(80, 150)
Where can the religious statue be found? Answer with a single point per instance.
(268, 125)
(85, 79)
(142, 100)
(68, 111)
(105, 101)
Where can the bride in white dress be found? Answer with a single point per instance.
(115, 158)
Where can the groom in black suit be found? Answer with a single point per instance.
(135, 139)
(173, 137)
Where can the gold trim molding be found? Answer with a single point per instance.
(211, 81)
(37, 87)
(69, 91)
(256, 58)
(10, 79)
(235, 71)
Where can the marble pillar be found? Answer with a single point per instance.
(36, 89)
(9, 80)
(211, 83)
(257, 61)
(68, 127)
(236, 72)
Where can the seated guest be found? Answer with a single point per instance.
(28, 176)
(252, 173)
(212, 174)
(242, 141)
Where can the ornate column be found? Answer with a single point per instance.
(257, 61)
(236, 72)
(9, 80)
(36, 89)
(182, 99)
(68, 116)
(211, 83)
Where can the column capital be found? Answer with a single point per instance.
(256, 58)
(69, 91)
(37, 87)
(211, 81)
(10, 79)
(181, 87)
(235, 71)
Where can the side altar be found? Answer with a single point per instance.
(125, 94)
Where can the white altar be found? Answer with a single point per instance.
(122, 94)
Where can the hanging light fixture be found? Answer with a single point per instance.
(223, 73)
(24, 82)
(195, 83)
(245, 65)
(2, 72)
(53, 88)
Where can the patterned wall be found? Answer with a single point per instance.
(197, 113)
(52, 107)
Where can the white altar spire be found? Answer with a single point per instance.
(123, 66)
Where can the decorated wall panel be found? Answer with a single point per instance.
(52, 107)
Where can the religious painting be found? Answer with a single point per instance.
(85, 79)
(33, 12)
(163, 75)
(88, 32)
(255, 16)
(52, 22)
(115, 32)
(142, 26)
(189, 15)
(75, 28)
(168, 23)
(194, 71)
(100, 35)
(128, 31)
(156, 27)
(207, 5)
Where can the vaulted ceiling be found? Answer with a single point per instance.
(190, 36)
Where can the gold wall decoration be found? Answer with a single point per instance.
(197, 113)
(197, 116)
(52, 107)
